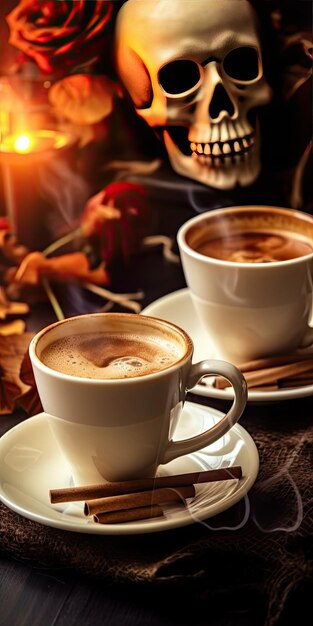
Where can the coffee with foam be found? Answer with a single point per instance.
(252, 236)
(111, 355)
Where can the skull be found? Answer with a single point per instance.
(193, 69)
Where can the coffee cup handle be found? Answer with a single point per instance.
(238, 382)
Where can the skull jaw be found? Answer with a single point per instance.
(239, 171)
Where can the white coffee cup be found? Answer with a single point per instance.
(121, 428)
(254, 299)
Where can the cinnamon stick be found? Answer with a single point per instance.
(273, 361)
(265, 376)
(286, 383)
(138, 499)
(90, 492)
(295, 382)
(273, 387)
(129, 515)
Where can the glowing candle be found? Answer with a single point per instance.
(39, 142)
(21, 149)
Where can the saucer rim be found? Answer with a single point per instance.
(130, 528)
(207, 390)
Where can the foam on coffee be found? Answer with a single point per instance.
(103, 355)
(256, 236)
(255, 247)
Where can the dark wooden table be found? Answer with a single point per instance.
(33, 596)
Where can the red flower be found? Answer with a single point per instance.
(60, 35)
(116, 220)
(5, 224)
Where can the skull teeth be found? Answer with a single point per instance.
(218, 149)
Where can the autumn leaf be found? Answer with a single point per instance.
(9, 307)
(73, 266)
(16, 327)
(10, 249)
(12, 351)
(83, 99)
(30, 400)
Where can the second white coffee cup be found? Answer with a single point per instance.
(249, 270)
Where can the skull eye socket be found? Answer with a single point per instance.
(179, 77)
(242, 64)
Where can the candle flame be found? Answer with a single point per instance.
(22, 143)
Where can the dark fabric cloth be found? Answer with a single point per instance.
(261, 546)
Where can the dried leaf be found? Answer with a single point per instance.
(10, 250)
(30, 400)
(12, 352)
(18, 308)
(7, 307)
(83, 99)
(17, 327)
(74, 266)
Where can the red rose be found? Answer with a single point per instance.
(5, 224)
(116, 219)
(60, 35)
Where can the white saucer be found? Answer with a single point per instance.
(31, 464)
(177, 307)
